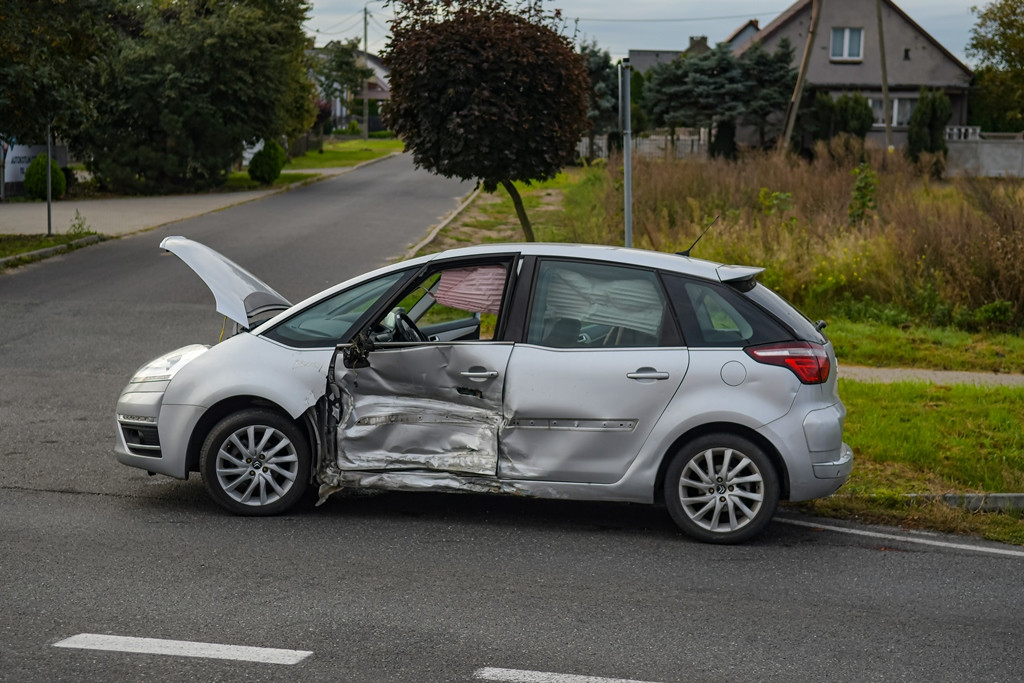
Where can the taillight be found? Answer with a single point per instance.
(808, 361)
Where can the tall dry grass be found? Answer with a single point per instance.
(949, 252)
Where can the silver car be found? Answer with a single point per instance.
(553, 371)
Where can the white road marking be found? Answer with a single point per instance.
(519, 676)
(183, 648)
(903, 539)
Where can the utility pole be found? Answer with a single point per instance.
(49, 182)
(886, 112)
(798, 91)
(627, 151)
(366, 65)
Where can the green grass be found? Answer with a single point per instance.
(239, 181)
(876, 344)
(963, 438)
(13, 245)
(347, 153)
(929, 440)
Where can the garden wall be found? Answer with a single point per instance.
(988, 158)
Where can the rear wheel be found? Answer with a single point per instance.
(255, 462)
(721, 488)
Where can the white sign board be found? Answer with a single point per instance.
(18, 159)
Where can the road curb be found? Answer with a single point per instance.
(40, 254)
(973, 502)
(984, 502)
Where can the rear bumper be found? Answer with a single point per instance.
(837, 469)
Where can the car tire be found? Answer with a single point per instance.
(721, 488)
(255, 462)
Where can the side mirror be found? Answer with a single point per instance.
(357, 354)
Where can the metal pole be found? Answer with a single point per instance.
(49, 181)
(366, 64)
(627, 151)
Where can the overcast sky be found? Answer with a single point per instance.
(649, 24)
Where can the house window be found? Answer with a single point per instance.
(846, 44)
(901, 107)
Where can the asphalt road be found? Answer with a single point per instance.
(408, 587)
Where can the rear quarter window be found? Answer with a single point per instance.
(786, 312)
(715, 315)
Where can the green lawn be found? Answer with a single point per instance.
(239, 181)
(876, 344)
(347, 153)
(12, 245)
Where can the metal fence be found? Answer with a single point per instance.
(650, 147)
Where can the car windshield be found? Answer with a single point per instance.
(331, 321)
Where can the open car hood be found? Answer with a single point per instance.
(239, 294)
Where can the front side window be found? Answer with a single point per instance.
(444, 303)
(580, 305)
(331, 321)
(846, 44)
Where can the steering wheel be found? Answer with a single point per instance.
(405, 328)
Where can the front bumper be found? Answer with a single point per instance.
(150, 435)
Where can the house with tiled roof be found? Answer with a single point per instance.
(845, 57)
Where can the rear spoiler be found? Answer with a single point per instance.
(738, 273)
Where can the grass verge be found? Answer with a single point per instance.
(13, 245)
(347, 153)
(239, 181)
(909, 438)
(927, 439)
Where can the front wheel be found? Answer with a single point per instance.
(721, 488)
(255, 462)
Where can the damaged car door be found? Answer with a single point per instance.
(405, 399)
(428, 406)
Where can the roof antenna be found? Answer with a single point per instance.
(710, 225)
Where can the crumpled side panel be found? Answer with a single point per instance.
(414, 409)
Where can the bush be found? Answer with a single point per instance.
(854, 115)
(35, 179)
(267, 163)
(927, 131)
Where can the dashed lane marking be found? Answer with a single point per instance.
(903, 539)
(520, 676)
(183, 648)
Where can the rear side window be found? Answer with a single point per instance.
(714, 315)
(787, 313)
(594, 305)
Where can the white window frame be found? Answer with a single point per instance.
(845, 55)
(894, 105)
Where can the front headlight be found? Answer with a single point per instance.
(166, 366)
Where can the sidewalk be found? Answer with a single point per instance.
(123, 216)
(890, 375)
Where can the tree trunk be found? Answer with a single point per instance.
(517, 201)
